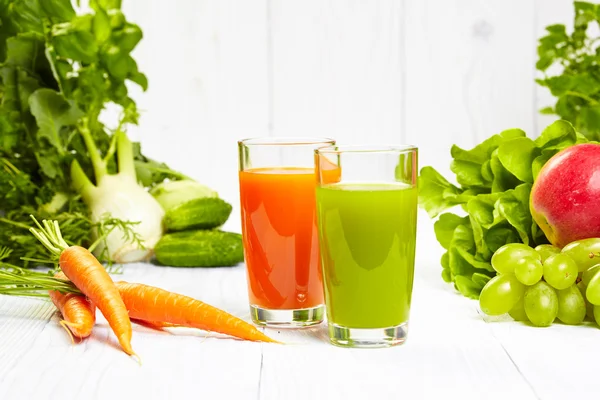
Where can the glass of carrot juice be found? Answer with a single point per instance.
(277, 195)
(367, 220)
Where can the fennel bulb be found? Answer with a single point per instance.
(120, 196)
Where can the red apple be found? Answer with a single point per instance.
(565, 198)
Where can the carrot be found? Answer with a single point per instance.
(86, 272)
(154, 324)
(79, 314)
(153, 304)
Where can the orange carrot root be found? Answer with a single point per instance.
(79, 314)
(63, 323)
(86, 272)
(121, 301)
(154, 324)
(153, 304)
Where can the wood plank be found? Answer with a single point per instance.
(21, 320)
(450, 353)
(337, 69)
(174, 363)
(557, 360)
(206, 63)
(468, 74)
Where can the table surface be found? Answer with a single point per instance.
(452, 351)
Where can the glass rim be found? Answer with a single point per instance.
(286, 141)
(358, 148)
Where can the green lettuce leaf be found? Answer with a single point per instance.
(557, 136)
(495, 180)
(517, 155)
(435, 192)
(503, 179)
(513, 206)
(445, 226)
(467, 287)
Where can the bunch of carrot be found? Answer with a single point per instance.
(122, 302)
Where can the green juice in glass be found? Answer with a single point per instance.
(367, 235)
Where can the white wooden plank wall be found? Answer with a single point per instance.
(206, 63)
(469, 72)
(337, 69)
(428, 72)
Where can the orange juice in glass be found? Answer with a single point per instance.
(277, 196)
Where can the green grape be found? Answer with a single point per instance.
(500, 294)
(589, 311)
(597, 314)
(518, 311)
(529, 270)
(589, 273)
(571, 306)
(506, 257)
(589, 307)
(546, 250)
(585, 252)
(541, 304)
(560, 271)
(592, 292)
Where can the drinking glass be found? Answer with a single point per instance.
(277, 196)
(367, 219)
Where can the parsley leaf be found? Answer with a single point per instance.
(576, 56)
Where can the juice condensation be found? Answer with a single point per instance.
(368, 237)
(280, 238)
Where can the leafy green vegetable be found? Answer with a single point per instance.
(58, 70)
(517, 155)
(576, 56)
(494, 184)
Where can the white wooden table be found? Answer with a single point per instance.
(452, 351)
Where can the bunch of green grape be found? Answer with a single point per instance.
(545, 283)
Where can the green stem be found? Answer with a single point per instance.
(39, 260)
(125, 155)
(24, 292)
(20, 281)
(9, 167)
(81, 183)
(51, 57)
(99, 165)
(101, 239)
(56, 204)
(582, 96)
(14, 223)
(111, 149)
(166, 171)
(49, 235)
(44, 240)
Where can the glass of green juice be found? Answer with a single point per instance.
(367, 220)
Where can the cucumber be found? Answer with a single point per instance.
(200, 248)
(202, 213)
(174, 193)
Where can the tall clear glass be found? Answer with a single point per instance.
(277, 196)
(367, 220)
